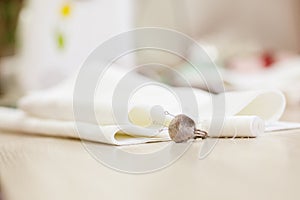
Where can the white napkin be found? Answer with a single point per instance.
(280, 76)
(50, 112)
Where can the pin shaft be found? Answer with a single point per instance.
(200, 134)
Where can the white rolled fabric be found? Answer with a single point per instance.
(236, 126)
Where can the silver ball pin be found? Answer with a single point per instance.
(182, 128)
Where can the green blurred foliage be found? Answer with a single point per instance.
(9, 13)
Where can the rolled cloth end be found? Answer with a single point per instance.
(236, 126)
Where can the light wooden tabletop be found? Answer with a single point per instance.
(34, 167)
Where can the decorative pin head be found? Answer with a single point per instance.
(182, 128)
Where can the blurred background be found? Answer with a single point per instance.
(255, 43)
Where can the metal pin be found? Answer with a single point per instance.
(200, 134)
(182, 128)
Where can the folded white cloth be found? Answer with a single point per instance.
(50, 112)
(280, 76)
(18, 121)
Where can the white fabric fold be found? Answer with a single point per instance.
(237, 126)
(51, 112)
(17, 121)
(280, 76)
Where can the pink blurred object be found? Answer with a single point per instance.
(256, 63)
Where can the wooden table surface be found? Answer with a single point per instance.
(34, 168)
